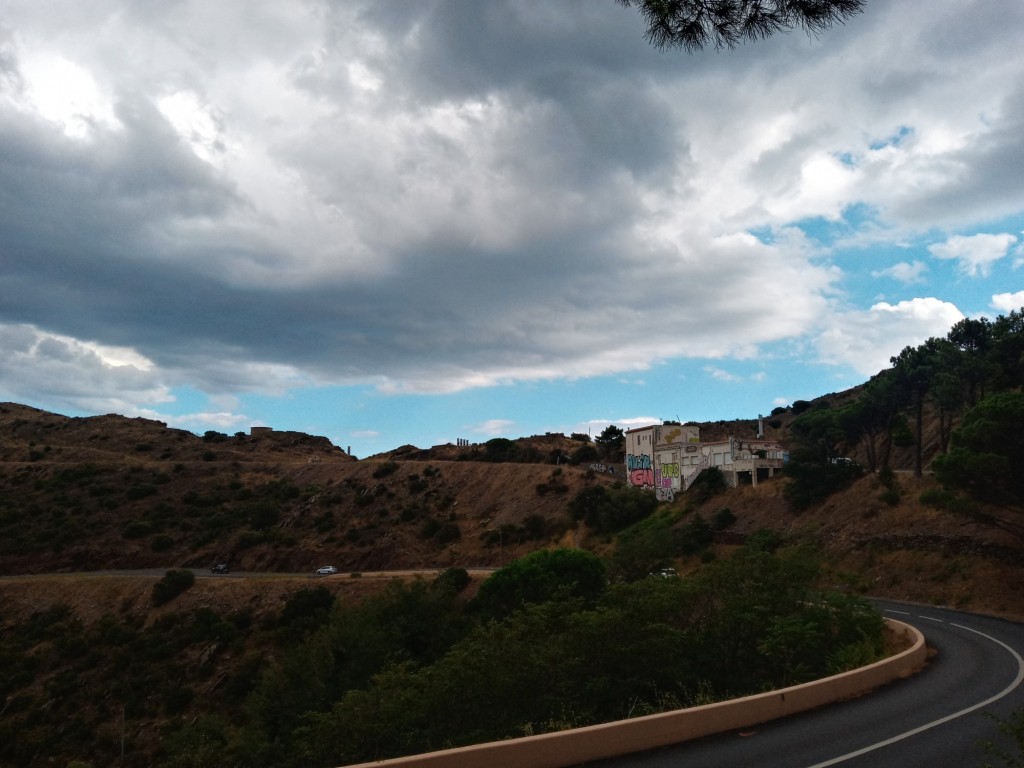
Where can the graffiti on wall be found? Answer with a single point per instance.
(640, 470)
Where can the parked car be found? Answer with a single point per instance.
(220, 568)
(326, 570)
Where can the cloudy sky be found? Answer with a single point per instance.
(394, 222)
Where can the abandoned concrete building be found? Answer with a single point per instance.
(668, 457)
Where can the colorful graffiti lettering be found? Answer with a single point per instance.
(638, 461)
(640, 470)
(642, 477)
(670, 470)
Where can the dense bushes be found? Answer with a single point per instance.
(547, 643)
(744, 624)
(501, 449)
(539, 577)
(611, 508)
(812, 481)
(987, 458)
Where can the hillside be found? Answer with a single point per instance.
(108, 492)
(112, 493)
(83, 497)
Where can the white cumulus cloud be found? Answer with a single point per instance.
(866, 340)
(904, 272)
(1006, 302)
(974, 254)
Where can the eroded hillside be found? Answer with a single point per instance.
(115, 493)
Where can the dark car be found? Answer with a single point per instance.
(220, 568)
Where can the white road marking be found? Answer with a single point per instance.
(1016, 682)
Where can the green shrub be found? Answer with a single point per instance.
(173, 583)
(449, 532)
(177, 698)
(453, 580)
(586, 454)
(722, 519)
(136, 492)
(441, 532)
(812, 481)
(247, 539)
(161, 543)
(307, 609)
(551, 486)
(937, 497)
(695, 536)
(541, 576)
(535, 527)
(708, 484)
(138, 529)
(385, 469)
(608, 509)
(263, 514)
(500, 449)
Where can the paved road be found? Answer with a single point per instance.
(932, 720)
(205, 573)
(400, 574)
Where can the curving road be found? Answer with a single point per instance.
(935, 719)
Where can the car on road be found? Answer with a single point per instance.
(326, 570)
(220, 568)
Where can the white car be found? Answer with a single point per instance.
(326, 570)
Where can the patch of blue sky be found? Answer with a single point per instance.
(340, 413)
(846, 158)
(1014, 224)
(765, 234)
(893, 140)
(187, 401)
(367, 421)
(826, 232)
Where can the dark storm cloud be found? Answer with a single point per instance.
(448, 194)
